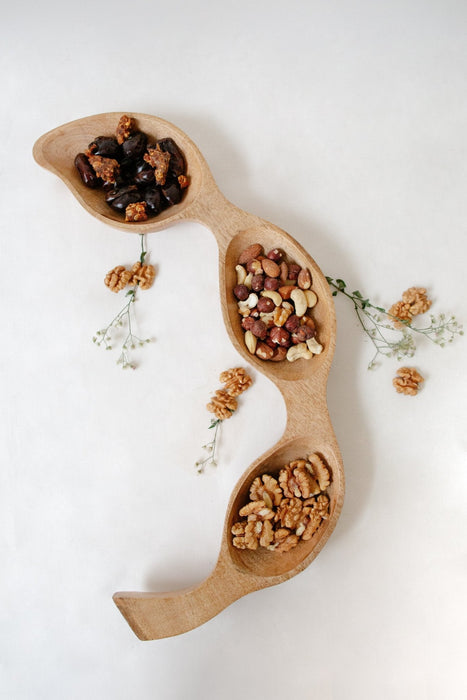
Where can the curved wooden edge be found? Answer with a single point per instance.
(159, 615)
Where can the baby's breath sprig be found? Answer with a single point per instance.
(210, 448)
(391, 335)
(142, 276)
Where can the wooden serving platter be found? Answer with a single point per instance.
(302, 383)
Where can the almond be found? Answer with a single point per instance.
(271, 268)
(304, 279)
(250, 253)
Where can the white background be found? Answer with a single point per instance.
(344, 123)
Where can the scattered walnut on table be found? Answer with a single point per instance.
(235, 380)
(407, 381)
(222, 404)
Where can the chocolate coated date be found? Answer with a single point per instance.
(87, 174)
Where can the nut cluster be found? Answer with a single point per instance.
(414, 302)
(283, 511)
(407, 381)
(140, 179)
(274, 297)
(224, 401)
(120, 277)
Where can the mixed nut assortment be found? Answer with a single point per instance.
(283, 511)
(274, 297)
(140, 179)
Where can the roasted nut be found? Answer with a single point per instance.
(126, 125)
(302, 334)
(252, 300)
(275, 296)
(271, 283)
(247, 280)
(241, 274)
(257, 283)
(268, 319)
(281, 314)
(292, 323)
(295, 352)
(276, 255)
(250, 253)
(299, 299)
(304, 279)
(241, 291)
(313, 346)
(259, 329)
(247, 323)
(280, 354)
(270, 268)
(105, 168)
(280, 336)
(286, 290)
(265, 305)
(251, 342)
(311, 298)
(264, 352)
(284, 271)
(255, 267)
(308, 321)
(293, 271)
(136, 211)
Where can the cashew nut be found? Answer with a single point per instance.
(241, 274)
(275, 296)
(295, 352)
(313, 346)
(311, 298)
(299, 299)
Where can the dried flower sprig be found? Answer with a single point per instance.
(400, 341)
(140, 275)
(223, 404)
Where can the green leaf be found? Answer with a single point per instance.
(334, 294)
(329, 280)
(357, 294)
(341, 284)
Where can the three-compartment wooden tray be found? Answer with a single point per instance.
(301, 383)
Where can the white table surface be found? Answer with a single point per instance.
(344, 123)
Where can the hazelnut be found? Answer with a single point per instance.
(292, 323)
(308, 321)
(271, 283)
(280, 336)
(293, 271)
(265, 305)
(259, 329)
(247, 323)
(275, 254)
(302, 334)
(264, 352)
(241, 291)
(257, 283)
(254, 266)
(280, 354)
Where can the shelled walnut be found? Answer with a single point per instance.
(274, 298)
(284, 510)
